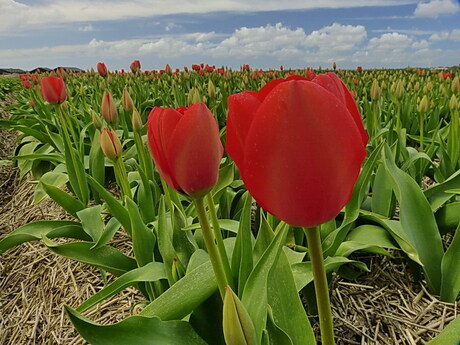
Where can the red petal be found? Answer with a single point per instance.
(303, 154)
(241, 109)
(161, 124)
(194, 151)
(334, 84)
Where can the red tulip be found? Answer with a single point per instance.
(53, 89)
(135, 66)
(298, 147)
(359, 68)
(101, 69)
(186, 147)
(26, 84)
(32, 103)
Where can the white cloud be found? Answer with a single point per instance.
(260, 41)
(389, 42)
(435, 8)
(439, 36)
(423, 44)
(86, 28)
(455, 35)
(337, 37)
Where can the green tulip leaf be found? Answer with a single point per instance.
(115, 207)
(449, 336)
(286, 307)
(143, 237)
(185, 295)
(242, 263)
(417, 221)
(65, 200)
(105, 257)
(438, 194)
(49, 228)
(450, 270)
(91, 221)
(135, 330)
(51, 178)
(149, 273)
(303, 274)
(255, 294)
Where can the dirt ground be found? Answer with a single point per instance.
(382, 307)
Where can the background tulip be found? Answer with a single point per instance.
(53, 89)
(186, 147)
(101, 69)
(298, 148)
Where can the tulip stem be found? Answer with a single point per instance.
(120, 173)
(315, 252)
(219, 240)
(211, 246)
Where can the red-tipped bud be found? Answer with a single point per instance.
(110, 144)
(108, 109)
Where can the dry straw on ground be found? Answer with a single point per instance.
(382, 307)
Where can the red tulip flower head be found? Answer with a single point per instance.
(299, 146)
(101, 69)
(26, 84)
(53, 89)
(359, 68)
(186, 147)
(135, 66)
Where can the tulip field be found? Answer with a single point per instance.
(240, 205)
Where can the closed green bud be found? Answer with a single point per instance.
(136, 121)
(96, 119)
(375, 90)
(455, 84)
(237, 324)
(193, 96)
(423, 105)
(453, 104)
(211, 89)
(399, 89)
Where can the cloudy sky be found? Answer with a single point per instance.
(262, 33)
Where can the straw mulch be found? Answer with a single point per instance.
(383, 307)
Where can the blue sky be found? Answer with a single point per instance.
(262, 33)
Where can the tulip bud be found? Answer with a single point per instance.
(417, 86)
(334, 65)
(455, 84)
(108, 110)
(375, 91)
(453, 105)
(110, 144)
(211, 89)
(127, 101)
(237, 324)
(423, 105)
(399, 89)
(96, 119)
(193, 96)
(136, 121)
